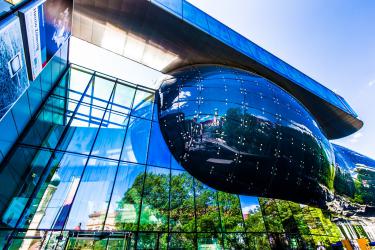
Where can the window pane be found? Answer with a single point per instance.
(109, 141)
(91, 202)
(58, 196)
(207, 210)
(102, 89)
(252, 214)
(79, 140)
(78, 83)
(159, 154)
(235, 241)
(271, 217)
(124, 208)
(136, 141)
(230, 212)
(123, 98)
(258, 242)
(143, 104)
(182, 241)
(210, 241)
(182, 215)
(155, 203)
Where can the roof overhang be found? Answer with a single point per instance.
(162, 37)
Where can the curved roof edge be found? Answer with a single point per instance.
(182, 35)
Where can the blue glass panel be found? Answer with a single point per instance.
(123, 212)
(7, 139)
(155, 113)
(46, 79)
(158, 153)
(123, 98)
(240, 42)
(175, 164)
(195, 16)
(90, 205)
(102, 89)
(77, 83)
(218, 30)
(79, 140)
(55, 67)
(61, 190)
(21, 112)
(64, 55)
(109, 142)
(136, 140)
(170, 5)
(143, 104)
(35, 95)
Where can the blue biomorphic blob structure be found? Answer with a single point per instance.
(240, 133)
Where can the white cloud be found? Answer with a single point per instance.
(356, 137)
(246, 209)
(371, 83)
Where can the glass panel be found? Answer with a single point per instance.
(143, 104)
(110, 138)
(235, 241)
(90, 204)
(123, 98)
(194, 16)
(152, 241)
(182, 215)
(286, 216)
(123, 213)
(79, 140)
(159, 154)
(182, 241)
(136, 140)
(210, 241)
(207, 210)
(230, 212)
(84, 243)
(19, 178)
(252, 214)
(271, 216)
(155, 200)
(77, 83)
(58, 196)
(27, 240)
(170, 5)
(258, 242)
(102, 89)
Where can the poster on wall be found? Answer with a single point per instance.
(46, 25)
(13, 73)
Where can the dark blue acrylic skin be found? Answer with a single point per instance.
(240, 133)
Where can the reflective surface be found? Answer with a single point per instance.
(355, 178)
(97, 173)
(240, 133)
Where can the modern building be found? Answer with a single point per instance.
(226, 147)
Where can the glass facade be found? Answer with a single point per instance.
(92, 171)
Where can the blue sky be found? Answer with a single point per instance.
(331, 41)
